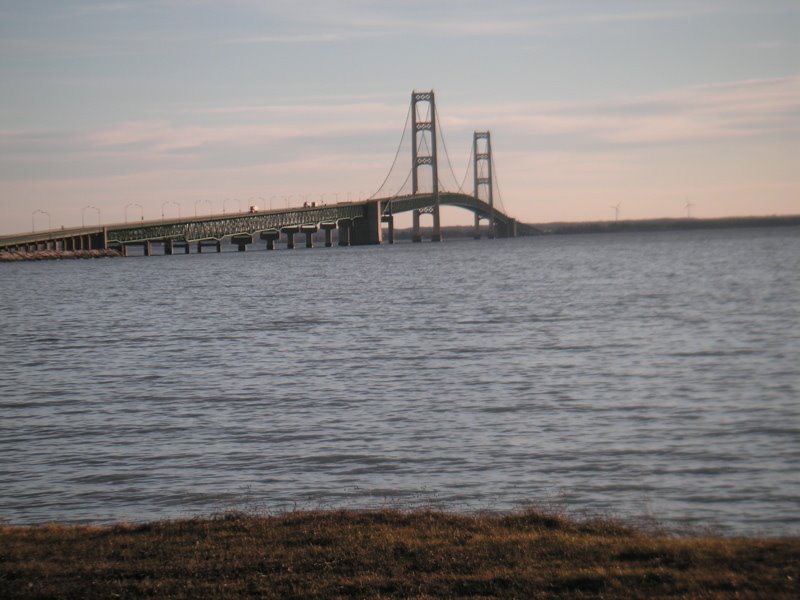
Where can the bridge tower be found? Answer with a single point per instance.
(482, 173)
(425, 130)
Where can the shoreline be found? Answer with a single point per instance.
(57, 255)
(389, 553)
(622, 226)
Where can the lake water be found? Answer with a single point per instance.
(627, 374)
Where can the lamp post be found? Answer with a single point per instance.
(163, 204)
(196, 202)
(33, 219)
(224, 202)
(83, 213)
(287, 198)
(133, 204)
(271, 198)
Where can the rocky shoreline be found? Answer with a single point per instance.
(57, 255)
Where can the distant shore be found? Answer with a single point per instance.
(667, 224)
(57, 255)
(637, 225)
(389, 554)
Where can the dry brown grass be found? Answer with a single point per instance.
(383, 554)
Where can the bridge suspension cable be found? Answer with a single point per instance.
(468, 169)
(446, 153)
(396, 155)
(496, 181)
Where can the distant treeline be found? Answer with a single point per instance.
(668, 224)
(467, 231)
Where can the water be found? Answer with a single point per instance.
(633, 374)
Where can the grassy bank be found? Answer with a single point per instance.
(352, 554)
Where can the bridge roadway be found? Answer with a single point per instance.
(359, 223)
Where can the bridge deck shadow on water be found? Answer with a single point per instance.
(355, 223)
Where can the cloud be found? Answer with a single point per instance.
(773, 45)
(302, 38)
(741, 109)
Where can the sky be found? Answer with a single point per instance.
(127, 109)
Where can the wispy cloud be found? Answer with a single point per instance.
(106, 7)
(301, 38)
(701, 113)
(773, 45)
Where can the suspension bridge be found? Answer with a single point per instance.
(352, 223)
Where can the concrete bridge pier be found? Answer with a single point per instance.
(270, 236)
(242, 241)
(345, 225)
(328, 227)
(290, 233)
(168, 247)
(477, 233)
(436, 236)
(148, 248)
(309, 230)
(508, 229)
(367, 230)
(212, 243)
(390, 233)
(417, 236)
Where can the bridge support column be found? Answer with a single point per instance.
(290, 233)
(270, 236)
(242, 241)
(344, 231)
(436, 236)
(367, 230)
(477, 232)
(417, 236)
(390, 233)
(309, 230)
(148, 248)
(215, 243)
(328, 227)
(168, 247)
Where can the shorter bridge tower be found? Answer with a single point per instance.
(482, 173)
(425, 133)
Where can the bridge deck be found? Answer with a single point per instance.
(217, 227)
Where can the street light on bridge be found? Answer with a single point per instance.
(33, 219)
(238, 203)
(133, 204)
(163, 204)
(83, 213)
(271, 198)
(201, 201)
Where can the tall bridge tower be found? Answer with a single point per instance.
(482, 173)
(424, 129)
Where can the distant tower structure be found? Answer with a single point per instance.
(482, 173)
(425, 134)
